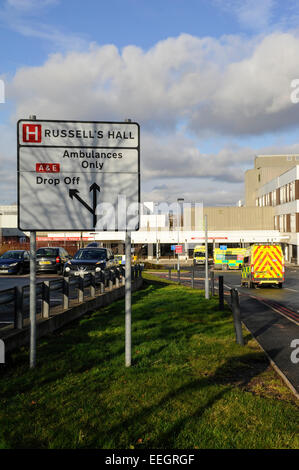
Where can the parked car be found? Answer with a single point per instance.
(89, 259)
(14, 262)
(51, 259)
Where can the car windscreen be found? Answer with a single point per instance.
(47, 253)
(91, 254)
(12, 255)
(200, 254)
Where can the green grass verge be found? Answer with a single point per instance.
(190, 384)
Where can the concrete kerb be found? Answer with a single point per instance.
(15, 338)
(272, 363)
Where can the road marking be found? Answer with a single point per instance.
(287, 315)
(293, 290)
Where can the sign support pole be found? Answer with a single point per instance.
(206, 260)
(32, 293)
(128, 301)
(128, 297)
(32, 299)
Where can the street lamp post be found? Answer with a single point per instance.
(180, 200)
(206, 259)
(157, 243)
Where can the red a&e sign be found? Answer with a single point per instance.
(179, 249)
(47, 167)
(32, 133)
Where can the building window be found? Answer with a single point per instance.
(292, 191)
(289, 158)
(293, 223)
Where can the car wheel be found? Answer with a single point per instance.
(280, 285)
(21, 270)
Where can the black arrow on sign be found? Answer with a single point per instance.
(73, 193)
(94, 187)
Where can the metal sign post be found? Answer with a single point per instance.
(128, 301)
(32, 299)
(32, 293)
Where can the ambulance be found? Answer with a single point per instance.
(263, 264)
(199, 254)
(229, 258)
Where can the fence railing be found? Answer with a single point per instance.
(68, 291)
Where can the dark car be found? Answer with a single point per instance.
(14, 262)
(89, 259)
(50, 258)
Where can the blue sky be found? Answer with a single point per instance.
(209, 82)
(32, 29)
(119, 22)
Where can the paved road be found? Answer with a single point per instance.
(285, 300)
(270, 313)
(9, 281)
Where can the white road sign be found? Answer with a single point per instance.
(72, 174)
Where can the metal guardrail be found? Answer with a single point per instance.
(72, 288)
(7, 295)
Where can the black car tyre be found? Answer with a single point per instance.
(59, 270)
(21, 270)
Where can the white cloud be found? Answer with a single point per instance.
(180, 90)
(8, 164)
(225, 86)
(176, 156)
(205, 191)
